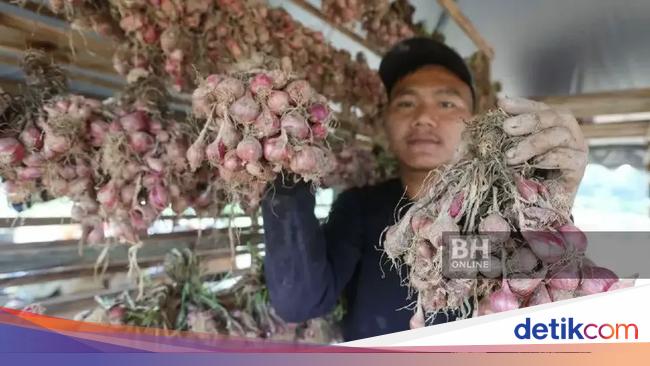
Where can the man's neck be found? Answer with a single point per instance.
(412, 180)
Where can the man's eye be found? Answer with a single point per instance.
(404, 104)
(448, 104)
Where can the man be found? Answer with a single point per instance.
(309, 267)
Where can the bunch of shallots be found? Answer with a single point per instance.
(387, 25)
(142, 165)
(536, 254)
(185, 303)
(257, 125)
(121, 163)
(88, 15)
(175, 39)
(344, 11)
(386, 22)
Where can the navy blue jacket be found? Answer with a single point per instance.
(309, 266)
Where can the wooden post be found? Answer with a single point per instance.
(466, 25)
(305, 5)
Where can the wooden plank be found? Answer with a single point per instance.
(616, 130)
(187, 235)
(72, 75)
(40, 9)
(347, 32)
(70, 305)
(86, 42)
(85, 270)
(593, 104)
(17, 40)
(14, 87)
(466, 25)
(10, 222)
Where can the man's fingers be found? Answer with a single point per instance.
(569, 163)
(528, 123)
(538, 144)
(521, 105)
(562, 158)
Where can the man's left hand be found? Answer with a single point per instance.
(553, 140)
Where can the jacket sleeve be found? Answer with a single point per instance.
(307, 266)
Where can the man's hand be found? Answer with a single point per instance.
(553, 140)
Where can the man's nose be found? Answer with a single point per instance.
(426, 116)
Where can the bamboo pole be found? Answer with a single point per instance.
(466, 25)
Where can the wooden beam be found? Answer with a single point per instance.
(69, 48)
(88, 42)
(347, 32)
(593, 104)
(88, 270)
(616, 130)
(210, 235)
(14, 87)
(16, 58)
(466, 25)
(40, 9)
(10, 222)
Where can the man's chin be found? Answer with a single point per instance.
(420, 164)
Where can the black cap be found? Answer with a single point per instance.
(411, 54)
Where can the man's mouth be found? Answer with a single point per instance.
(423, 140)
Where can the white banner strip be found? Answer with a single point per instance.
(618, 316)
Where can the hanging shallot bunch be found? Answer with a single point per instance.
(536, 253)
(258, 124)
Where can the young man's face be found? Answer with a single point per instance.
(425, 115)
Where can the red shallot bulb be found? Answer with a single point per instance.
(11, 151)
(456, 204)
(261, 84)
(127, 193)
(574, 237)
(547, 246)
(215, 151)
(300, 92)
(503, 299)
(278, 102)
(276, 149)
(158, 197)
(249, 149)
(96, 235)
(318, 113)
(32, 138)
(232, 162)
(245, 109)
(319, 131)
(135, 121)
(29, 173)
(140, 141)
(295, 125)
(196, 154)
(527, 188)
(596, 280)
(267, 123)
(306, 160)
(540, 296)
(34, 160)
(107, 195)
